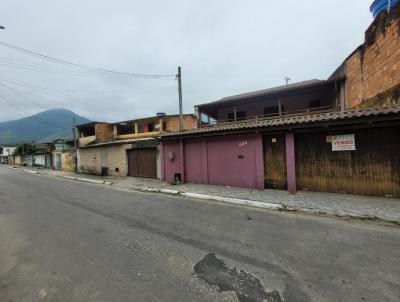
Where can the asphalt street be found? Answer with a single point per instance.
(62, 240)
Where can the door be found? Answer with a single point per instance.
(275, 162)
(104, 162)
(57, 161)
(142, 163)
(373, 168)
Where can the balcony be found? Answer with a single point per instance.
(138, 135)
(84, 141)
(276, 116)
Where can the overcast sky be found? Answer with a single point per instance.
(225, 47)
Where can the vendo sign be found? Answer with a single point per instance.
(343, 142)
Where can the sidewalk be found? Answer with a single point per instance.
(362, 207)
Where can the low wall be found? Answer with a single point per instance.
(91, 160)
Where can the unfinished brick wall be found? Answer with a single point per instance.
(189, 122)
(104, 132)
(373, 70)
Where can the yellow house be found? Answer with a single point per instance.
(152, 126)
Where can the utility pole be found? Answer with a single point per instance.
(76, 151)
(179, 77)
(74, 130)
(287, 80)
(23, 155)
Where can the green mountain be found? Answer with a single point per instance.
(42, 127)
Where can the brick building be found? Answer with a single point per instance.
(128, 148)
(339, 135)
(372, 72)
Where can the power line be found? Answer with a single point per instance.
(32, 116)
(88, 68)
(22, 95)
(34, 86)
(57, 95)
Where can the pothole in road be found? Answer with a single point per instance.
(247, 287)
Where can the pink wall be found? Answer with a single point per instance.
(170, 167)
(235, 160)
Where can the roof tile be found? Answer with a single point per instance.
(303, 119)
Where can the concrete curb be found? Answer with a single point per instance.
(234, 201)
(81, 179)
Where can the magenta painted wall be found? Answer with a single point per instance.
(170, 167)
(194, 161)
(235, 160)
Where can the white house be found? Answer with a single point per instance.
(5, 151)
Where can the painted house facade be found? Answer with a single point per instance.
(127, 148)
(63, 156)
(6, 151)
(338, 135)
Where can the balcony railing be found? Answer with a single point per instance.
(256, 118)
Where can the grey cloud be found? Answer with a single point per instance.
(224, 47)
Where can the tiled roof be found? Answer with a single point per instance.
(118, 142)
(273, 90)
(292, 120)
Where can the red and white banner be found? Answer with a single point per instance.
(343, 142)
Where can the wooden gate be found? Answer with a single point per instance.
(372, 169)
(142, 162)
(275, 162)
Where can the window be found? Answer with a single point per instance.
(315, 104)
(204, 118)
(150, 127)
(125, 128)
(140, 128)
(273, 110)
(240, 115)
(164, 126)
(87, 131)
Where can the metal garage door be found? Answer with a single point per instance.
(142, 163)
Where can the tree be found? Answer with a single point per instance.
(25, 149)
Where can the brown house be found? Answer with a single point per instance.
(128, 148)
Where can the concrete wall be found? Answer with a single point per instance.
(39, 160)
(18, 160)
(235, 160)
(68, 160)
(374, 68)
(91, 160)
